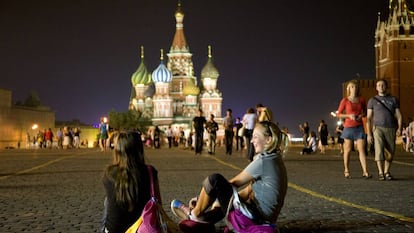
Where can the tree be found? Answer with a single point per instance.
(32, 100)
(126, 120)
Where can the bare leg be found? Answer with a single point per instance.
(362, 156)
(347, 151)
(387, 166)
(202, 203)
(380, 167)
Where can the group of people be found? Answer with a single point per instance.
(211, 126)
(383, 125)
(377, 122)
(261, 186)
(310, 140)
(66, 138)
(232, 128)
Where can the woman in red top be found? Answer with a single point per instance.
(352, 109)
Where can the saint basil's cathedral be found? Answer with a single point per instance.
(171, 95)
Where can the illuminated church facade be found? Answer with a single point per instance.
(171, 95)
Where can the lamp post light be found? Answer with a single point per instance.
(34, 127)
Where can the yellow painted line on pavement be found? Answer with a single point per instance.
(227, 164)
(332, 199)
(346, 203)
(403, 163)
(39, 166)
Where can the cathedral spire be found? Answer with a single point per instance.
(162, 55)
(179, 42)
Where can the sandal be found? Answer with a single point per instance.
(367, 176)
(388, 176)
(347, 175)
(381, 177)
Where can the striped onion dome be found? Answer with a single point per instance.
(191, 89)
(161, 73)
(209, 70)
(141, 75)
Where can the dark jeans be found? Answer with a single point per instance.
(228, 135)
(169, 142)
(250, 148)
(199, 142)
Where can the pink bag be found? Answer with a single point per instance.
(242, 224)
(239, 219)
(152, 218)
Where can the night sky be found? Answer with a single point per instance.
(291, 56)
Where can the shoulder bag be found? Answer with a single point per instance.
(153, 218)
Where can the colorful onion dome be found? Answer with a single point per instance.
(191, 89)
(161, 73)
(141, 75)
(209, 70)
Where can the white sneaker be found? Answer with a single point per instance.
(179, 209)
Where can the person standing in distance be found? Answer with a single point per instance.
(239, 139)
(199, 123)
(305, 132)
(169, 134)
(249, 122)
(384, 122)
(212, 128)
(228, 131)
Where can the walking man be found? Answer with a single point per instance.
(384, 122)
(212, 128)
(198, 123)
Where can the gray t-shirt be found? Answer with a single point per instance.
(270, 184)
(381, 116)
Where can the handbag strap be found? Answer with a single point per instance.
(151, 180)
(385, 106)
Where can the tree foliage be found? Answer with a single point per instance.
(32, 100)
(126, 120)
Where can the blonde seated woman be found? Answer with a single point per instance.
(261, 187)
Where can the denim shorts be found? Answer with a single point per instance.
(353, 133)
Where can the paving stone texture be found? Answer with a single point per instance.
(61, 190)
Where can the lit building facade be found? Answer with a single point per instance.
(394, 53)
(171, 95)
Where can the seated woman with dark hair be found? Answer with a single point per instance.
(127, 183)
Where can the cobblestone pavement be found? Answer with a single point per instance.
(61, 190)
